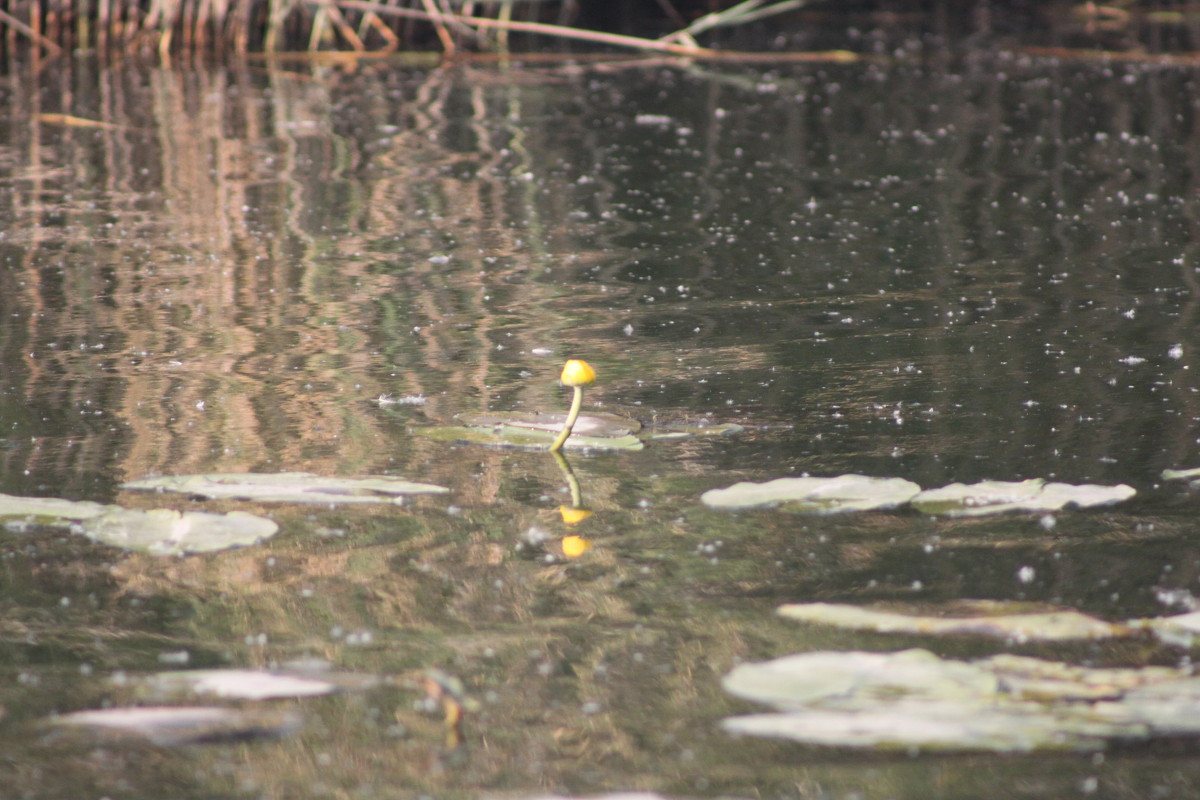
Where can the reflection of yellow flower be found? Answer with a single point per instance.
(575, 546)
(577, 373)
(572, 515)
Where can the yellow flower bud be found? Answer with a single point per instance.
(577, 373)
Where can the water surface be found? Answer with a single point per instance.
(983, 269)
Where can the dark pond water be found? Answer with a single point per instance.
(979, 269)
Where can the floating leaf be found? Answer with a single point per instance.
(1048, 626)
(797, 681)
(915, 700)
(533, 431)
(530, 431)
(167, 532)
(51, 510)
(998, 497)
(600, 425)
(687, 430)
(1181, 474)
(288, 487)
(937, 726)
(819, 495)
(173, 726)
(248, 684)
(1182, 630)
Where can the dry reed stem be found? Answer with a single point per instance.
(196, 26)
(21, 27)
(561, 31)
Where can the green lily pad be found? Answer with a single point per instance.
(1181, 630)
(51, 510)
(1181, 474)
(999, 497)
(914, 700)
(599, 425)
(529, 431)
(167, 532)
(249, 684)
(817, 495)
(687, 430)
(1056, 626)
(287, 487)
(168, 726)
(533, 431)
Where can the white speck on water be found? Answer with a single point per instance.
(1026, 574)
(1133, 360)
(1175, 352)
(406, 400)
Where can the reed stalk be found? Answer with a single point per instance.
(198, 27)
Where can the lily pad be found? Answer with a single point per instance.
(1181, 474)
(250, 684)
(600, 431)
(915, 700)
(288, 487)
(687, 430)
(180, 725)
(51, 510)
(528, 431)
(599, 425)
(167, 532)
(999, 497)
(818, 495)
(1048, 626)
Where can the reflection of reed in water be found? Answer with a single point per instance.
(244, 274)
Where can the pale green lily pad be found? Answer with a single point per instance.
(1181, 630)
(937, 726)
(528, 431)
(687, 430)
(51, 510)
(914, 700)
(598, 425)
(1181, 474)
(819, 495)
(600, 431)
(798, 681)
(167, 532)
(1033, 495)
(1047, 626)
(250, 684)
(288, 487)
(179, 725)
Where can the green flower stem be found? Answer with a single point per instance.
(572, 415)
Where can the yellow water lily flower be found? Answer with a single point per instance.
(576, 374)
